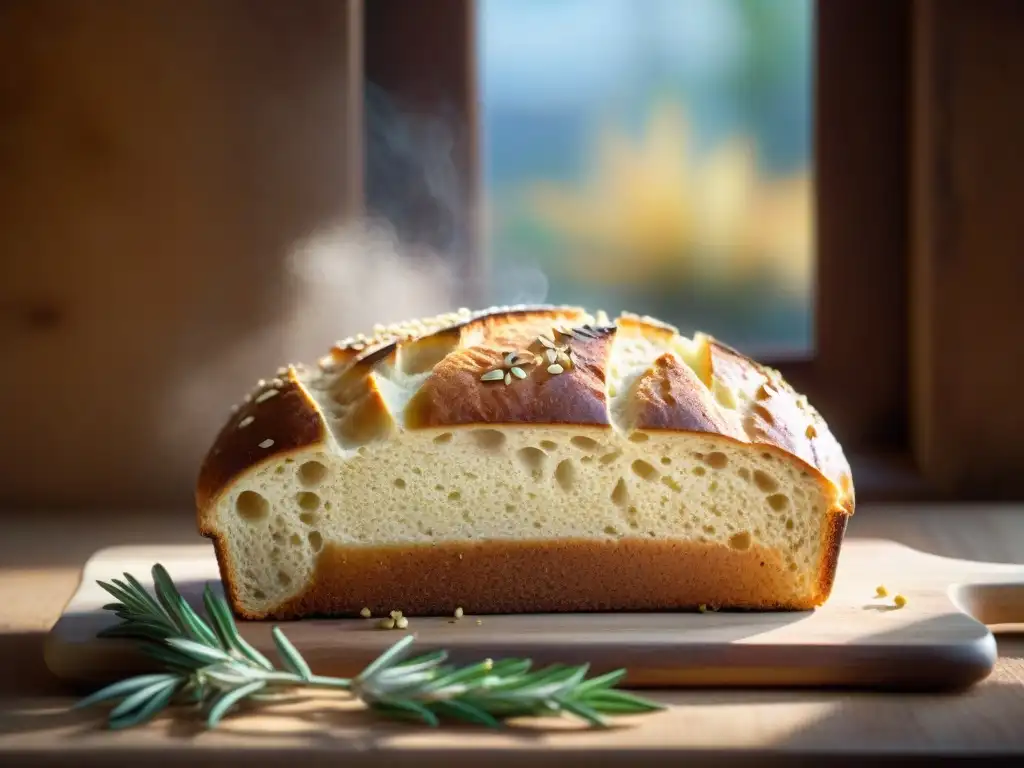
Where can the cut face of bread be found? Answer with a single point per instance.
(525, 459)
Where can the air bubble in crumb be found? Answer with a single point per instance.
(489, 439)
(310, 502)
(532, 458)
(619, 493)
(399, 482)
(548, 445)
(316, 540)
(699, 471)
(444, 437)
(251, 506)
(740, 541)
(565, 474)
(312, 473)
(585, 443)
(642, 469)
(765, 482)
(717, 460)
(778, 501)
(639, 437)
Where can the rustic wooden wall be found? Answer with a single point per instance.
(159, 161)
(967, 268)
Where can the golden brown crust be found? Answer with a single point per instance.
(278, 418)
(565, 576)
(575, 396)
(776, 415)
(670, 396)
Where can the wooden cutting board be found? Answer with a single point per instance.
(855, 640)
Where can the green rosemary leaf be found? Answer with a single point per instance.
(459, 710)
(199, 628)
(290, 656)
(583, 712)
(408, 706)
(511, 667)
(121, 688)
(390, 655)
(173, 658)
(226, 632)
(138, 698)
(120, 591)
(228, 699)
(601, 682)
(184, 618)
(144, 595)
(462, 676)
(223, 622)
(198, 651)
(543, 684)
(616, 701)
(160, 699)
(134, 630)
(230, 675)
(418, 664)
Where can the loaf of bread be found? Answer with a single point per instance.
(525, 459)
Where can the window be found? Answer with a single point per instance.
(658, 162)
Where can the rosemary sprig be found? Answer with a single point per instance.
(207, 662)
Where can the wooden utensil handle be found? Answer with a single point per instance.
(991, 603)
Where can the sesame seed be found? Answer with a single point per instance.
(496, 375)
(261, 383)
(246, 422)
(386, 623)
(551, 355)
(266, 443)
(401, 622)
(510, 358)
(519, 373)
(479, 621)
(881, 591)
(899, 601)
(365, 613)
(395, 614)
(267, 395)
(508, 379)
(555, 369)
(545, 341)
(459, 613)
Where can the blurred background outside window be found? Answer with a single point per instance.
(653, 156)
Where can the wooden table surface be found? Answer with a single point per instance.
(40, 558)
